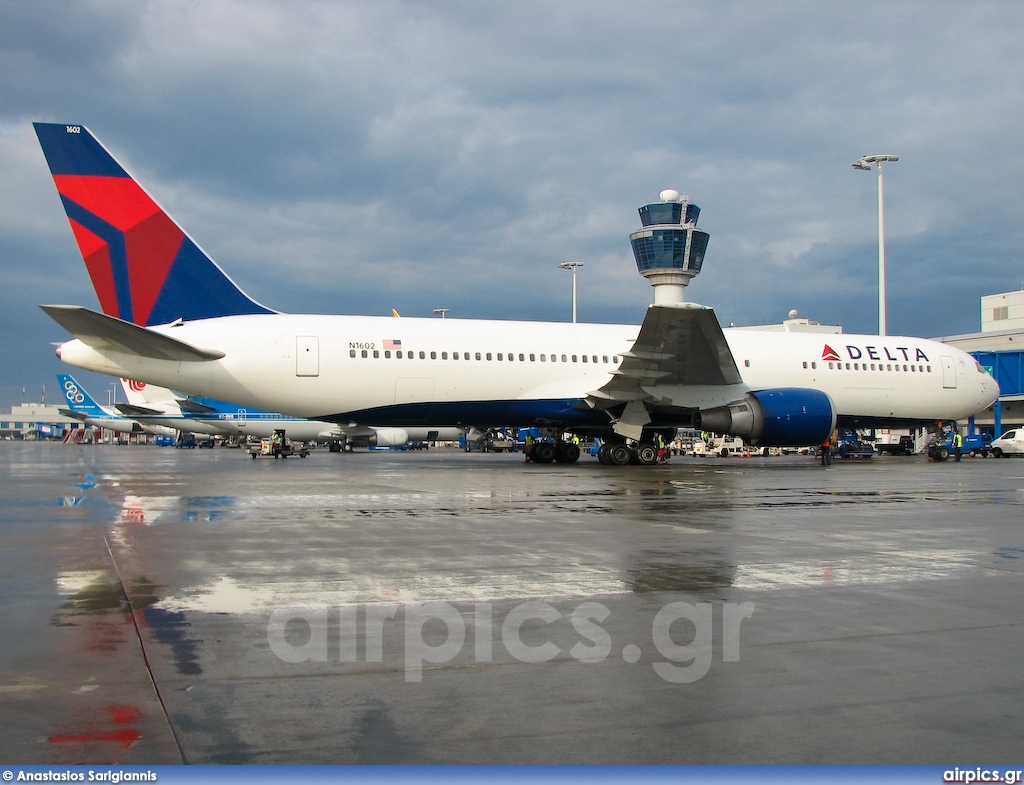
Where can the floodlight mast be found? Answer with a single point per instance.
(572, 266)
(865, 163)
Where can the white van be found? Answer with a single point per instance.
(1010, 443)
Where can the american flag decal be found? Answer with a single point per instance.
(392, 344)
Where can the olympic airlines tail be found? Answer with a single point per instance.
(170, 316)
(82, 406)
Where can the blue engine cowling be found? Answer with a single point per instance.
(783, 417)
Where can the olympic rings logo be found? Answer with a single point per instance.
(72, 393)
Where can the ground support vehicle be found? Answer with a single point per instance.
(278, 446)
(850, 445)
(1010, 443)
(896, 445)
(975, 444)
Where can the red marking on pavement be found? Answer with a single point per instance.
(119, 715)
(122, 715)
(125, 737)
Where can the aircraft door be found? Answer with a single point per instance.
(307, 355)
(948, 373)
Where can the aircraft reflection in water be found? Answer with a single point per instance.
(172, 317)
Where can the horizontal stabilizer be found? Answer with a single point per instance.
(130, 410)
(101, 332)
(193, 406)
(82, 417)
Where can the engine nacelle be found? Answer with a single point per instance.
(784, 417)
(390, 437)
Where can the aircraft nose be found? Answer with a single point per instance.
(990, 389)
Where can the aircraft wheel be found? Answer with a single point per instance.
(567, 453)
(646, 454)
(602, 454)
(346, 447)
(543, 452)
(618, 455)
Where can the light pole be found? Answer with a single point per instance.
(441, 311)
(572, 266)
(865, 163)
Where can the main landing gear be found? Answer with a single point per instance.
(559, 452)
(644, 453)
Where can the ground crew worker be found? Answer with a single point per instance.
(958, 445)
(528, 445)
(661, 449)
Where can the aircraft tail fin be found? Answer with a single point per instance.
(143, 394)
(79, 401)
(144, 267)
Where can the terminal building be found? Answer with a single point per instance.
(999, 347)
(36, 421)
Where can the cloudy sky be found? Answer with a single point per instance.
(352, 157)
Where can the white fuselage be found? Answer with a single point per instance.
(382, 370)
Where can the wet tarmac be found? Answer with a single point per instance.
(165, 606)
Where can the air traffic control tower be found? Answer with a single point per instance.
(669, 250)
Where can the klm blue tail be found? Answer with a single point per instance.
(78, 399)
(144, 268)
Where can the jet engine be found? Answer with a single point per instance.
(390, 437)
(785, 417)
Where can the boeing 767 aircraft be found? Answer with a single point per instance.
(172, 317)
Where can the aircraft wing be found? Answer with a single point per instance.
(679, 358)
(108, 332)
(678, 344)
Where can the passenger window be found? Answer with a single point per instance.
(423, 355)
(433, 355)
(364, 353)
(522, 358)
(574, 358)
(351, 352)
(376, 354)
(488, 355)
(533, 358)
(444, 355)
